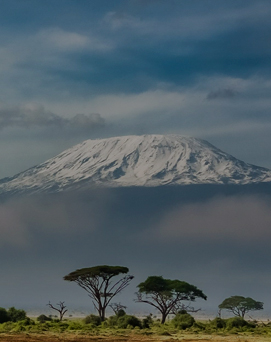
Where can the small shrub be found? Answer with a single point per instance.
(104, 324)
(18, 328)
(183, 321)
(7, 326)
(199, 326)
(128, 321)
(4, 315)
(182, 312)
(26, 322)
(120, 313)
(234, 331)
(236, 322)
(218, 323)
(147, 322)
(93, 319)
(43, 319)
(75, 326)
(112, 321)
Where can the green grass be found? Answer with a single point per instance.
(232, 326)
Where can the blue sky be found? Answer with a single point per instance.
(73, 70)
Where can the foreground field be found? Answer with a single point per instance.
(47, 337)
(126, 328)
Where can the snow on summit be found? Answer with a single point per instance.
(148, 160)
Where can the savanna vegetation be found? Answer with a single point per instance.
(166, 295)
(97, 281)
(239, 305)
(122, 325)
(103, 283)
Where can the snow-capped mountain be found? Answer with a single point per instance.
(148, 160)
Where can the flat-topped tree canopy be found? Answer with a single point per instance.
(166, 294)
(103, 271)
(97, 281)
(240, 305)
(157, 284)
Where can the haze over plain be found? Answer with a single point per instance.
(80, 70)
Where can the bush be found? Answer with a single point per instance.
(43, 319)
(93, 319)
(3, 315)
(146, 322)
(128, 320)
(26, 322)
(18, 328)
(75, 326)
(218, 323)
(112, 321)
(120, 313)
(16, 315)
(183, 321)
(236, 322)
(182, 312)
(198, 326)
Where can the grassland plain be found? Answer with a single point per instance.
(127, 328)
(127, 337)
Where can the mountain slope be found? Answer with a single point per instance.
(149, 160)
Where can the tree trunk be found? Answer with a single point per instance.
(164, 316)
(102, 314)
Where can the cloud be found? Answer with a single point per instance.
(226, 93)
(169, 43)
(119, 19)
(163, 109)
(190, 20)
(63, 40)
(84, 121)
(12, 232)
(55, 38)
(27, 221)
(213, 245)
(34, 115)
(184, 110)
(239, 220)
(151, 74)
(47, 61)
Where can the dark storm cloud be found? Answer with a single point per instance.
(127, 49)
(198, 40)
(36, 116)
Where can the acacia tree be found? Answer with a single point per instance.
(239, 305)
(97, 281)
(166, 294)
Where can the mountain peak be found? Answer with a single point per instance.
(147, 160)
